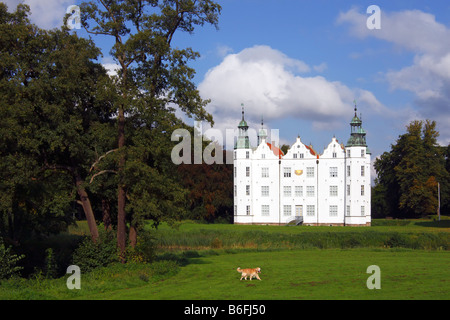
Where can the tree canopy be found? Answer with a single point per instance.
(408, 175)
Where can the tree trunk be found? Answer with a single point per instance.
(133, 236)
(121, 193)
(87, 208)
(106, 210)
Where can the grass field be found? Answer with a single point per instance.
(198, 262)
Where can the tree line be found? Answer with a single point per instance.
(408, 175)
(75, 140)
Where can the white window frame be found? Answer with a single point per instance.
(310, 210)
(264, 172)
(333, 191)
(287, 210)
(298, 191)
(333, 172)
(333, 211)
(265, 210)
(287, 191)
(287, 172)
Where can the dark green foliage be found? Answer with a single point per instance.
(408, 175)
(90, 255)
(54, 101)
(51, 267)
(8, 262)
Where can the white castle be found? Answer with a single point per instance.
(302, 186)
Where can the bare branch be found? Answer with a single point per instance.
(101, 157)
(101, 172)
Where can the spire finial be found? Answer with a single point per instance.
(242, 111)
(356, 109)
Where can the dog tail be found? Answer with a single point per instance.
(239, 269)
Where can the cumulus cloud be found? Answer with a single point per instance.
(428, 77)
(46, 14)
(275, 86)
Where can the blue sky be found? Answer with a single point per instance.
(301, 63)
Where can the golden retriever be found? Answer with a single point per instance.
(249, 273)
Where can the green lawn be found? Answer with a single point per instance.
(291, 275)
(198, 262)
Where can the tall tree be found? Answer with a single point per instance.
(54, 102)
(152, 73)
(409, 173)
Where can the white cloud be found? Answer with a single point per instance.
(223, 50)
(410, 29)
(46, 14)
(321, 67)
(428, 77)
(272, 85)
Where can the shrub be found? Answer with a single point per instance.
(90, 255)
(8, 262)
(51, 267)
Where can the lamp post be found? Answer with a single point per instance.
(439, 202)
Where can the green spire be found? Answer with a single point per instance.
(358, 134)
(243, 141)
(262, 134)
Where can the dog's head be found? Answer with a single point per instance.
(258, 270)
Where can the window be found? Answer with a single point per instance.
(235, 210)
(310, 210)
(265, 210)
(302, 155)
(349, 153)
(247, 154)
(235, 155)
(287, 172)
(348, 189)
(362, 190)
(333, 211)
(333, 172)
(348, 171)
(363, 209)
(247, 171)
(235, 190)
(287, 210)
(348, 211)
(334, 155)
(287, 191)
(295, 156)
(310, 191)
(362, 171)
(248, 210)
(333, 191)
(362, 153)
(263, 156)
(299, 191)
(247, 190)
(264, 172)
(264, 191)
(235, 172)
(310, 172)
